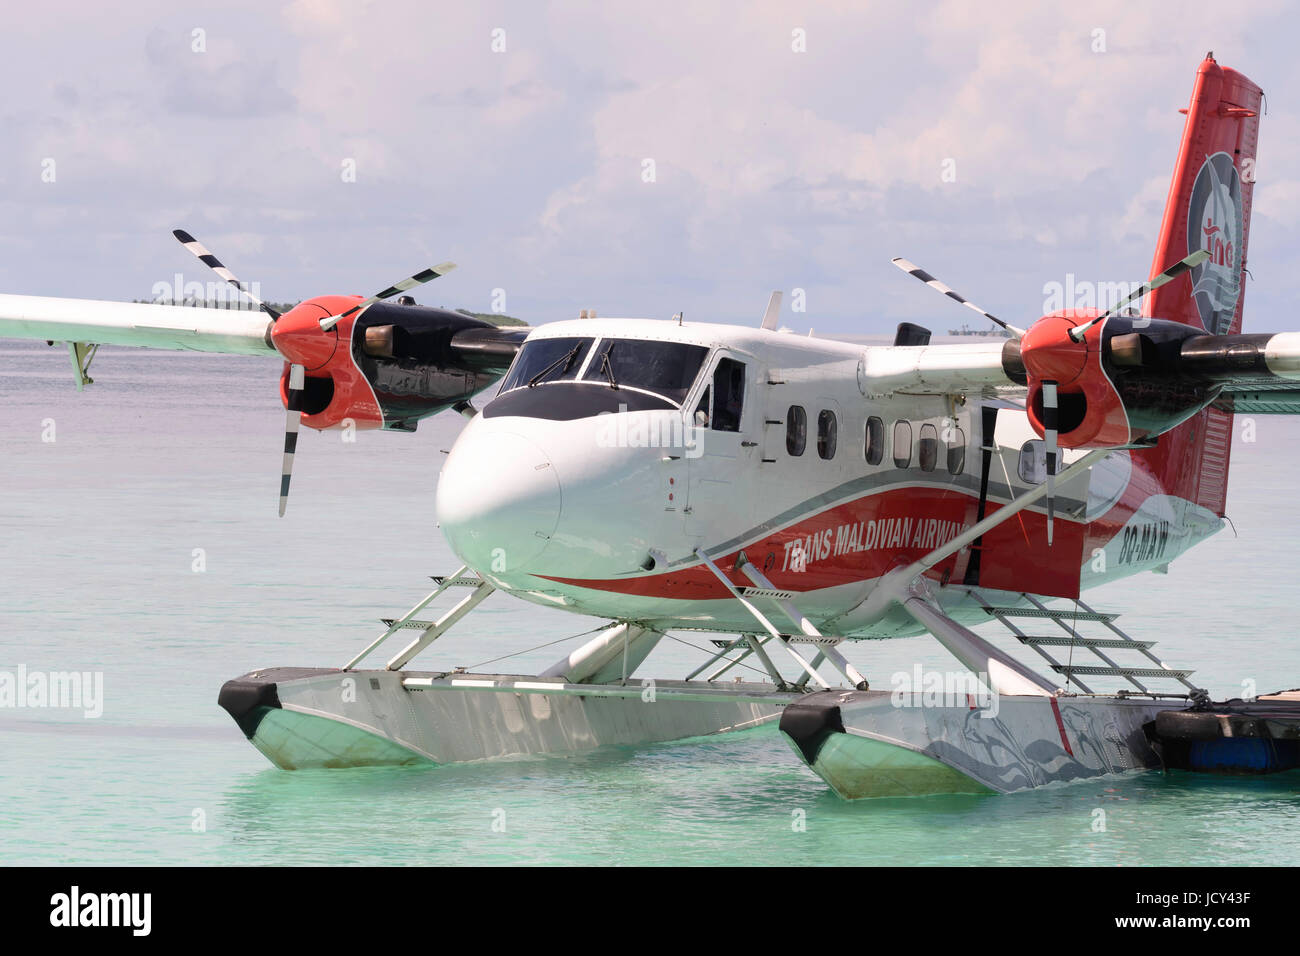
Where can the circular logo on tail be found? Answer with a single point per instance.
(1214, 223)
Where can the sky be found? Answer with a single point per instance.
(636, 159)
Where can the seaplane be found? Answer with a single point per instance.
(787, 496)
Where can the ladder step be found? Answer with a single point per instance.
(1051, 614)
(408, 626)
(1064, 641)
(464, 581)
(767, 593)
(821, 641)
(1098, 671)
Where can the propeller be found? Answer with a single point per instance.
(1050, 344)
(1173, 272)
(913, 270)
(297, 379)
(1050, 422)
(298, 372)
(418, 279)
(213, 263)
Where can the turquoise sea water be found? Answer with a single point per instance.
(172, 453)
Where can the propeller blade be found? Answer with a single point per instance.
(418, 279)
(913, 270)
(1173, 272)
(213, 263)
(1051, 420)
(297, 379)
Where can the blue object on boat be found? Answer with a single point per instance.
(1248, 754)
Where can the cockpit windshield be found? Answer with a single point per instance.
(668, 369)
(665, 368)
(547, 360)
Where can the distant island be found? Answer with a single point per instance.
(990, 333)
(496, 318)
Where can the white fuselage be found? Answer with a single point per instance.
(574, 494)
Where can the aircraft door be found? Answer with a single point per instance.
(722, 446)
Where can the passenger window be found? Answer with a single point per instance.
(875, 443)
(827, 434)
(957, 451)
(1033, 462)
(796, 431)
(902, 444)
(728, 395)
(928, 447)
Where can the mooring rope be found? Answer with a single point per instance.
(705, 650)
(1074, 636)
(570, 637)
(600, 627)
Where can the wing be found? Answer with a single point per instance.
(1257, 400)
(940, 369)
(1256, 374)
(1266, 376)
(93, 322)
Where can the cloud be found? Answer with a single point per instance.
(773, 168)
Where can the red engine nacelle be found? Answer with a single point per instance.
(335, 391)
(1127, 381)
(1092, 413)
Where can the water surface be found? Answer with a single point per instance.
(172, 453)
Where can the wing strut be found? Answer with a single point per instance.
(767, 626)
(898, 587)
(1009, 510)
(827, 649)
(1001, 672)
(82, 354)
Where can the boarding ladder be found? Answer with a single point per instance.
(430, 630)
(1068, 619)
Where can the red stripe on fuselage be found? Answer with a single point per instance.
(862, 539)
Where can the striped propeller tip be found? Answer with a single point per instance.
(916, 271)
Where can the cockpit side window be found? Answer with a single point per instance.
(547, 360)
(728, 395)
(702, 410)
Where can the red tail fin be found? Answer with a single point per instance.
(1209, 203)
(1208, 208)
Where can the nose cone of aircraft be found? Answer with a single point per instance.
(498, 500)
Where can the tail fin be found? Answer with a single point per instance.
(1208, 208)
(1209, 203)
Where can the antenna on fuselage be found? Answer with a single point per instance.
(773, 314)
(678, 317)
